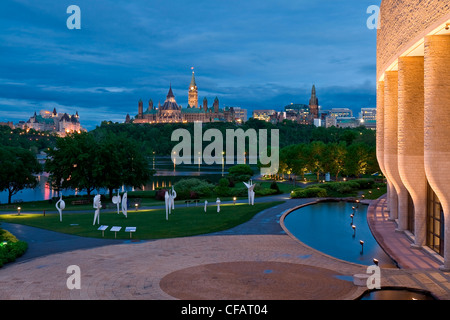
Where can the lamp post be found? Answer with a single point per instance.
(354, 230)
(18, 210)
(136, 206)
(362, 246)
(234, 200)
(351, 216)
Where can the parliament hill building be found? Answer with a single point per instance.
(171, 112)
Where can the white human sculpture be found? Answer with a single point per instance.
(206, 204)
(124, 204)
(218, 204)
(251, 194)
(60, 206)
(116, 200)
(168, 204)
(97, 206)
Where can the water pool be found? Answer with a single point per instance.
(327, 227)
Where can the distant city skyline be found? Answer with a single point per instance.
(249, 54)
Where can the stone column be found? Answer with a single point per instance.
(380, 131)
(437, 126)
(411, 139)
(400, 195)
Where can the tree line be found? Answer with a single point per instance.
(336, 158)
(156, 138)
(116, 154)
(89, 161)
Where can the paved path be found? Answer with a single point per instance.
(248, 261)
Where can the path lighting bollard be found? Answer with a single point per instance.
(362, 246)
(136, 206)
(354, 230)
(234, 200)
(18, 210)
(375, 261)
(351, 216)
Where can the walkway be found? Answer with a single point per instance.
(256, 260)
(397, 244)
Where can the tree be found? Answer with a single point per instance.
(73, 163)
(335, 158)
(357, 159)
(18, 170)
(88, 162)
(316, 157)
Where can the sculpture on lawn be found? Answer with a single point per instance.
(116, 200)
(60, 206)
(173, 195)
(97, 207)
(218, 204)
(251, 193)
(125, 204)
(169, 198)
(206, 204)
(168, 204)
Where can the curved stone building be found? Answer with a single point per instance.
(413, 118)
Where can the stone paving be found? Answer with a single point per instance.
(265, 258)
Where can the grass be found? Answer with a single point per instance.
(150, 224)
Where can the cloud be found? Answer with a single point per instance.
(248, 53)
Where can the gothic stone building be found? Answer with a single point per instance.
(170, 111)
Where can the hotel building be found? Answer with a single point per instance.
(413, 126)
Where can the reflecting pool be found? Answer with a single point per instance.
(328, 227)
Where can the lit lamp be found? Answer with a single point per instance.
(362, 245)
(375, 261)
(354, 230)
(136, 206)
(18, 210)
(234, 200)
(351, 216)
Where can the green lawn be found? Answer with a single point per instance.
(150, 224)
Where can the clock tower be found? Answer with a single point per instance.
(193, 93)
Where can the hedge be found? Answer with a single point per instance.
(311, 192)
(10, 247)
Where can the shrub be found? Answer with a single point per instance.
(265, 192)
(240, 172)
(223, 190)
(186, 188)
(274, 186)
(13, 248)
(365, 183)
(311, 192)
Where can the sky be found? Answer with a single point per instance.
(256, 54)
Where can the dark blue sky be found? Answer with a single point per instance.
(256, 54)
